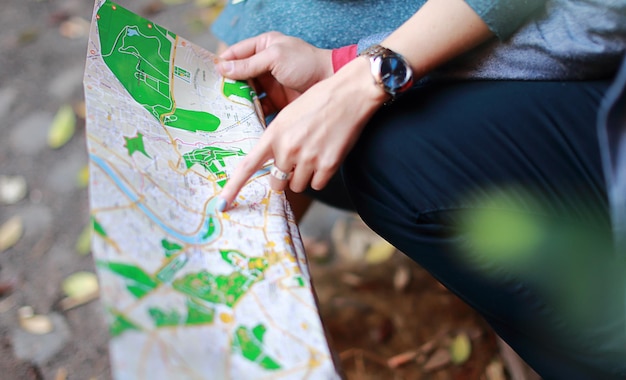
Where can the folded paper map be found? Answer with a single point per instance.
(189, 292)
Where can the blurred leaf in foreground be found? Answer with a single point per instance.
(566, 261)
(501, 230)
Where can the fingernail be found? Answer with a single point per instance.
(220, 204)
(227, 67)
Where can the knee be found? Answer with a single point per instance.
(393, 173)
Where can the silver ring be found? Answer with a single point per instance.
(279, 174)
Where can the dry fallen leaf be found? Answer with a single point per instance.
(32, 323)
(80, 288)
(317, 250)
(83, 243)
(208, 10)
(82, 177)
(379, 252)
(37, 324)
(11, 232)
(80, 109)
(401, 359)
(351, 279)
(208, 3)
(152, 8)
(12, 189)
(61, 374)
(438, 360)
(460, 349)
(69, 303)
(59, 16)
(401, 278)
(7, 287)
(25, 312)
(80, 284)
(75, 27)
(495, 371)
(62, 127)
(28, 35)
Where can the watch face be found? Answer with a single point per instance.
(393, 73)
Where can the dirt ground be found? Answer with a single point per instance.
(373, 313)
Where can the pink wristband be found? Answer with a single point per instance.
(343, 55)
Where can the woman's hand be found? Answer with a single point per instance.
(315, 131)
(313, 134)
(281, 66)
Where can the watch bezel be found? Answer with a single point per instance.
(377, 72)
(377, 54)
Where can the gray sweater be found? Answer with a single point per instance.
(536, 39)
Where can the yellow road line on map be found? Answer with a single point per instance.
(147, 177)
(286, 332)
(166, 349)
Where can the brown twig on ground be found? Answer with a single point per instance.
(44, 244)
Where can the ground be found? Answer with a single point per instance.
(373, 312)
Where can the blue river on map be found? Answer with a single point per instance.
(201, 237)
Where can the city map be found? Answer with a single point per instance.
(189, 292)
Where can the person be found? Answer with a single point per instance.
(422, 115)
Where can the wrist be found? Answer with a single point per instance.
(358, 73)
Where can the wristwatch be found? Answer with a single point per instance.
(390, 70)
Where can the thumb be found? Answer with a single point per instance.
(247, 68)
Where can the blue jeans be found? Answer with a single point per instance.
(442, 154)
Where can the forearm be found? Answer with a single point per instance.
(438, 32)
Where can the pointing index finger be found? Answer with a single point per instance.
(244, 170)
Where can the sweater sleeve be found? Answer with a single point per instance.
(504, 17)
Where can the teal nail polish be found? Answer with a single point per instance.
(220, 204)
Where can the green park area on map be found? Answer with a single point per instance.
(202, 290)
(205, 286)
(250, 343)
(211, 159)
(139, 52)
